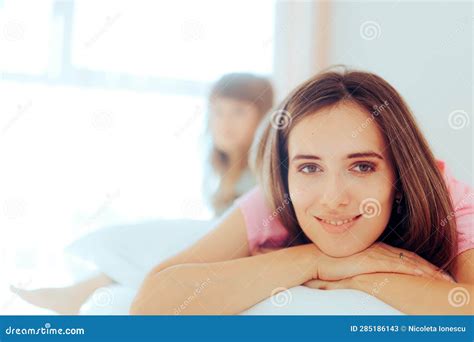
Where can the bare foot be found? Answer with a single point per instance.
(63, 300)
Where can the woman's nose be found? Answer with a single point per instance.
(334, 192)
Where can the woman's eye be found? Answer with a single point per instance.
(309, 169)
(364, 168)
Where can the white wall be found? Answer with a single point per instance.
(294, 46)
(425, 51)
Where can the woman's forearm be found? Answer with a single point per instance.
(417, 295)
(227, 287)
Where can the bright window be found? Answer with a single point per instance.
(103, 110)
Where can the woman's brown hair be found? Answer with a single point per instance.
(248, 88)
(420, 224)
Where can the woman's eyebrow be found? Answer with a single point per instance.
(305, 156)
(367, 154)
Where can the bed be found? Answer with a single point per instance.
(126, 253)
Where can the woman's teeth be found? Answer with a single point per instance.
(340, 222)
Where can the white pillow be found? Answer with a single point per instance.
(302, 300)
(127, 253)
(299, 300)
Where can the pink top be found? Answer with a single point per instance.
(265, 230)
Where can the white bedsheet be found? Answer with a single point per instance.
(127, 253)
(299, 300)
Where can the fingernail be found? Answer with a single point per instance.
(419, 271)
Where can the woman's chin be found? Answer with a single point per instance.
(340, 251)
(339, 248)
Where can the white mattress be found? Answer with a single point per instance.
(300, 300)
(127, 253)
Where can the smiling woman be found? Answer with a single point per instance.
(338, 175)
(334, 209)
(331, 187)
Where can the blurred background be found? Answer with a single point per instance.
(103, 104)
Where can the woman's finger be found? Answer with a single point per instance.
(408, 267)
(419, 263)
(435, 271)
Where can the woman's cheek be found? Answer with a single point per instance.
(303, 197)
(375, 195)
(302, 193)
(373, 223)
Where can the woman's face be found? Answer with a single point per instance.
(341, 180)
(233, 124)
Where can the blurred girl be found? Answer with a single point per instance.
(237, 104)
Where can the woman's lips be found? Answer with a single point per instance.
(337, 226)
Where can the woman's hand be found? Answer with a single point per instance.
(377, 258)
